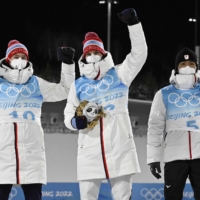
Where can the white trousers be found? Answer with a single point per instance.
(120, 188)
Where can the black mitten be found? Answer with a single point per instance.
(129, 16)
(79, 122)
(155, 169)
(66, 54)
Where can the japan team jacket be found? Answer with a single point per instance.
(22, 150)
(174, 125)
(108, 150)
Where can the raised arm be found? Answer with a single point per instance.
(56, 92)
(134, 61)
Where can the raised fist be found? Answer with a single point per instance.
(66, 54)
(128, 16)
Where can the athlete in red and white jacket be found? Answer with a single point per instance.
(106, 151)
(22, 150)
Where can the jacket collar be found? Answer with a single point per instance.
(104, 65)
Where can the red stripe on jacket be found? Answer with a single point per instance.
(103, 148)
(190, 145)
(16, 152)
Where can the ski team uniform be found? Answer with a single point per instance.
(175, 121)
(22, 150)
(178, 113)
(108, 150)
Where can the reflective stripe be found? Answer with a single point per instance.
(103, 149)
(190, 147)
(16, 152)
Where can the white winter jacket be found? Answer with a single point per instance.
(174, 124)
(108, 150)
(22, 150)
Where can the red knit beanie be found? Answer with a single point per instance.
(15, 47)
(92, 42)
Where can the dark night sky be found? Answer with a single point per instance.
(165, 24)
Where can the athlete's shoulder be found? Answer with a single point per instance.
(168, 87)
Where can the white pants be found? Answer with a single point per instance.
(120, 187)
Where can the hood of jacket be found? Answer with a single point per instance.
(173, 81)
(14, 75)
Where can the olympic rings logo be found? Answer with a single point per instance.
(103, 85)
(152, 194)
(12, 193)
(12, 91)
(184, 99)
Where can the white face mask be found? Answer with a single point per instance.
(90, 70)
(187, 70)
(185, 81)
(18, 63)
(93, 58)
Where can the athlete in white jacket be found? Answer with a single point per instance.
(22, 151)
(107, 149)
(175, 120)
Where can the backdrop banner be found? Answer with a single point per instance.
(70, 191)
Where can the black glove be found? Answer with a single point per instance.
(79, 122)
(66, 54)
(128, 16)
(155, 169)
